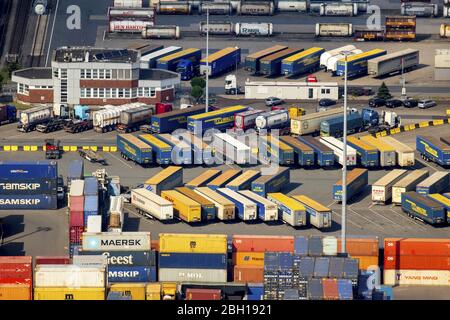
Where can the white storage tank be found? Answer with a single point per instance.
(256, 8)
(292, 6)
(254, 29)
(339, 9)
(215, 8)
(161, 32)
(35, 114)
(334, 29)
(128, 3)
(216, 28)
(419, 9)
(176, 7)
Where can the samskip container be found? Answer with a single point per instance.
(131, 274)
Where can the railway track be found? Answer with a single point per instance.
(37, 49)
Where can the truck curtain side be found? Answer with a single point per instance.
(131, 148)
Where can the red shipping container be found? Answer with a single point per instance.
(361, 246)
(16, 280)
(163, 107)
(203, 294)
(76, 219)
(330, 289)
(417, 247)
(263, 243)
(252, 274)
(16, 268)
(76, 203)
(75, 234)
(52, 260)
(416, 263)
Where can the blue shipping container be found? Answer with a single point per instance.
(321, 267)
(131, 274)
(28, 187)
(177, 119)
(345, 289)
(357, 64)
(90, 186)
(334, 127)
(301, 245)
(305, 61)
(219, 63)
(28, 202)
(76, 170)
(193, 260)
(20, 171)
(286, 260)
(433, 149)
(438, 186)
(255, 291)
(128, 149)
(126, 258)
(271, 261)
(270, 184)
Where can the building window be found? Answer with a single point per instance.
(107, 74)
(82, 93)
(94, 74)
(127, 74)
(88, 74)
(152, 92)
(127, 93)
(114, 74)
(56, 73)
(22, 88)
(120, 92)
(82, 74)
(101, 74)
(140, 92)
(325, 91)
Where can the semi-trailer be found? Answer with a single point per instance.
(151, 205)
(219, 119)
(382, 188)
(357, 64)
(388, 156)
(393, 62)
(407, 183)
(8, 114)
(131, 120)
(252, 61)
(185, 62)
(334, 52)
(221, 61)
(167, 179)
(203, 179)
(148, 61)
(334, 127)
(338, 149)
(290, 211)
(30, 118)
(405, 154)
(208, 207)
(341, 9)
(225, 208)
(181, 150)
(224, 178)
(438, 182)
(419, 9)
(176, 119)
(162, 151)
(267, 210)
(368, 155)
(244, 181)
(357, 181)
(134, 149)
(316, 213)
(332, 62)
(324, 156)
(246, 209)
(247, 119)
(432, 149)
(422, 208)
(231, 149)
(271, 183)
(310, 123)
(442, 200)
(274, 150)
(276, 119)
(108, 118)
(302, 62)
(184, 207)
(202, 152)
(271, 65)
(303, 154)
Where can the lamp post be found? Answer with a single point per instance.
(344, 164)
(207, 62)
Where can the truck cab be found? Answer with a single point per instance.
(231, 86)
(371, 117)
(81, 112)
(187, 69)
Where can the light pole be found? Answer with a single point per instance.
(344, 164)
(403, 81)
(207, 62)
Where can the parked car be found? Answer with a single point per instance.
(423, 104)
(393, 103)
(326, 102)
(376, 102)
(358, 91)
(273, 101)
(410, 103)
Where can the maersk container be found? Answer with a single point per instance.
(421, 207)
(303, 154)
(317, 214)
(432, 149)
(149, 203)
(132, 274)
(76, 170)
(24, 170)
(245, 208)
(436, 183)
(368, 155)
(169, 178)
(388, 156)
(335, 127)
(271, 183)
(357, 64)
(131, 148)
(58, 275)
(116, 241)
(208, 208)
(324, 156)
(29, 187)
(244, 181)
(125, 258)
(184, 207)
(219, 119)
(181, 151)
(303, 62)
(177, 119)
(192, 275)
(267, 210)
(291, 211)
(29, 202)
(193, 260)
(162, 152)
(357, 180)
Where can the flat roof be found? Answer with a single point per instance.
(303, 54)
(291, 83)
(79, 54)
(157, 74)
(34, 73)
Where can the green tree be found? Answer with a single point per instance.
(383, 92)
(13, 66)
(196, 92)
(198, 82)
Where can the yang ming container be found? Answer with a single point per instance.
(267, 210)
(382, 188)
(317, 214)
(169, 178)
(357, 180)
(271, 183)
(149, 203)
(225, 209)
(245, 208)
(291, 211)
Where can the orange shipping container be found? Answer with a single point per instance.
(330, 289)
(248, 274)
(248, 259)
(366, 261)
(416, 263)
(155, 245)
(417, 247)
(15, 292)
(263, 243)
(361, 246)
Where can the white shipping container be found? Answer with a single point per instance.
(76, 188)
(270, 208)
(225, 208)
(408, 183)
(129, 25)
(417, 277)
(339, 9)
(192, 275)
(332, 62)
(116, 204)
(382, 189)
(250, 209)
(34, 114)
(120, 241)
(310, 123)
(330, 246)
(442, 58)
(338, 149)
(331, 53)
(71, 276)
(128, 3)
(253, 29)
(334, 29)
(91, 261)
(151, 204)
(94, 223)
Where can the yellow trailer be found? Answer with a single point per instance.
(184, 208)
(192, 243)
(69, 293)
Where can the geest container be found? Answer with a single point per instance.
(132, 148)
(69, 276)
(407, 183)
(176, 119)
(192, 275)
(69, 293)
(303, 154)
(367, 155)
(219, 119)
(192, 243)
(317, 214)
(324, 156)
(245, 208)
(116, 241)
(131, 274)
(161, 151)
(423, 208)
(436, 183)
(271, 183)
(193, 260)
(25, 170)
(357, 180)
(185, 208)
(382, 188)
(225, 208)
(267, 210)
(291, 211)
(125, 258)
(208, 211)
(168, 178)
(203, 179)
(433, 149)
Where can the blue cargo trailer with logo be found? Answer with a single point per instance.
(162, 152)
(432, 149)
(25, 170)
(271, 183)
(368, 156)
(335, 127)
(272, 149)
(192, 260)
(423, 208)
(357, 64)
(131, 148)
(324, 155)
(131, 274)
(28, 187)
(438, 182)
(219, 119)
(181, 150)
(442, 200)
(357, 181)
(221, 61)
(29, 202)
(302, 62)
(303, 154)
(177, 119)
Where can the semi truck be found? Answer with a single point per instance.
(422, 208)
(302, 62)
(277, 119)
(221, 61)
(162, 151)
(176, 119)
(76, 126)
(382, 188)
(316, 213)
(185, 62)
(252, 61)
(303, 154)
(334, 52)
(219, 119)
(54, 124)
(148, 61)
(432, 149)
(221, 180)
(108, 118)
(267, 210)
(357, 181)
(334, 127)
(324, 156)
(405, 60)
(271, 65)
(407, 183)
(310, 123)
(30, 118)
(357, 64)
(290, 211)
(8, 114)
(202, 152)
(131, 120)
(442, 200)
(368, 156)
(181, 150)
(134, 149)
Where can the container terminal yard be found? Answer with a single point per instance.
(116, 186)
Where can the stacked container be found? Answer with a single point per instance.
(16, 278)
(365, 250)
(278, 275)
(415, 261)
(192, 257)
(90, 193)
(76, 214)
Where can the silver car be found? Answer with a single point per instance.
(424, 104)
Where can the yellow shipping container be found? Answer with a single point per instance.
(248, 259)
(153, 291)
(69, 293)
(136, 290)
(15, 292)
(192, 243)
(366, 261)
(169, 290)
(185, 208)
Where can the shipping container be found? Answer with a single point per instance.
(215, 8)
(51, 260)
(16, 270)
(118, 296)
(116, 241)
(245, 209)
(208, 209)
(173, 7)
(177, 119)
(341, 9)
(203, 294)
(438, 182)
(330, 289)
(216, 28)
(161, 32)
(131, 274)
(135, 290)
(75, 171)
(219, 119)
(184, 207)
(382, 188)
(161, 151)
(388, 156)
(406, 60)
(357, 64)
(192, 243)
(274, 150)
(334, 29)
(244, 181)
(368, 155)
(149, 203)
(224, 178)
(131, 148)
(324, 156)
(315, 246)
(357, 180)
(271, 183)
(416, 277)
(172, 61)
(338, 149)
(192, 275)
(8, 114)
(345, 289)
(153, 291)
(432, 149)
(291, 211)
(362, 246)
(148, 61)
(252, 61)
(125, 258)
(15, 292)
(251, 243)
(255, 259)
(365, 34)
(315, 289)
(303, 154)
(301, 245)
(25, 170)
(310, 123)
(302, 62)
(248, 274)
(28, 187)
(203, 179)
(221, 61)
(193, 260)
(225, 208)
(317, 214)
(418, 9)
(181, 150)
(47, 276)
(271, 65)
(28, 202)
(407, 183)
(267, 210)
(255, 29)
(69, 293)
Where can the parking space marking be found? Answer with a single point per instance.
(368, 220)
(392, 221)
(121, 160)
(425, 163)
(349, 221)
(410, 220)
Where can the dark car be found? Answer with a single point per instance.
(410, 103)
(326, 102)
(394, 103)
(376, 102)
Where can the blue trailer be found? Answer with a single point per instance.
(275, 150)
(324, 156)
(243, 181)
(8, 114)
(303, 154)
(193, 260)
(357, 64)
(422, 208)
(221, 61)
(185, 62)
(161, 151)
(357, 181)
(442, 200)
(176, 119)
(181, 151)
(271, 183)
(219, 119)
(271, 65)
(334, 127)
(25, 170)
(131, 148)
(433, 149)
(303, 62)
(436, 183)
(368, 156)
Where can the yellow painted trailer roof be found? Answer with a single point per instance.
(389, 177)
(302, 54)
(154, 140)
(180, 197)
(197, 181)
(243, 177)
(194, 196)
(135, 140)
(219, 54)
(162, 175)
(225, 176)
(174, 140)
(311, 203)
(440, 198)
(217, 112)
(362, 55)
(215, 196)
(363, 145)
(397, 145)
(178, 54)
(272, 140)
(383, 147)
(287, 201)
(265, 52)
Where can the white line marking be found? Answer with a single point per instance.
(368, 220)
(51, 33)
(392, 221)
(425, 163)
(409, 220)
(117, 158)
(349, 221)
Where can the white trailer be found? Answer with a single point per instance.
(405, 154)
(106, 119)
(151, 205)
(245, 208)
(407, 59)
(407, 183)
(231, 148)
(225, 208)
(382, 189)
(149, 60)
(331, 53)
(338, 149)
(267, 210)
(310, 123)
(334, 29)
(333, 61)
